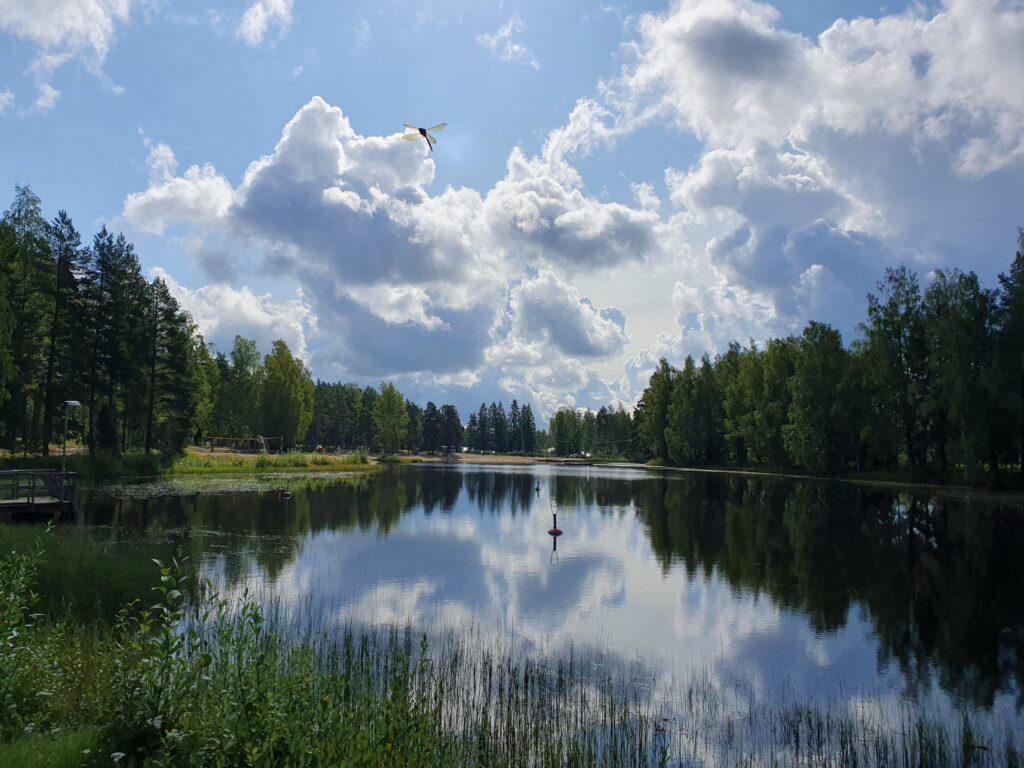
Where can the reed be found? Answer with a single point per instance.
(211, 682)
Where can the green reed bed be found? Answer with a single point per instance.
(218, 684)
(200, 463)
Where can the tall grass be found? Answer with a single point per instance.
(225, 684)
(198, 463)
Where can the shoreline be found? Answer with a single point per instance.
(887, 482)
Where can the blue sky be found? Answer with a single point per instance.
(617, 182)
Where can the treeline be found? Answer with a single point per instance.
(80, 322)
(347, 416)
(607, 432)
(935, 386)
(491, 429)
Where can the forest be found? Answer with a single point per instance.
(934, 386)
(80, 322)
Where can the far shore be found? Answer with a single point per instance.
(888, 481)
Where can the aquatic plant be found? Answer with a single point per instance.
(215, 682)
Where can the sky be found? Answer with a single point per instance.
(617, 182)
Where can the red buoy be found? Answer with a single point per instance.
(554, 531)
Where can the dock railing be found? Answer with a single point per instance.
(30, 485)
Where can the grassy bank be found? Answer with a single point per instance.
(204, 463)
(222, 684)
(194, 462)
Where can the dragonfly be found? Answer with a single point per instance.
(424, 132)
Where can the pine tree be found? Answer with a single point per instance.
(431, 428)
(656, 399)
(529, 429)
(485, 431)
(69, 261)
(29, 265)
(7, 251)
(451, 427)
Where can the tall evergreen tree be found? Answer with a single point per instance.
(431, 428)
(471, 436)
(655, 410)
(173, 378)
(499, 427)
(485, 430)
(7, 252)
(69, 261)
(515, 428)
(365, 431)
(529, 429)
(29, 265)
(451, 427)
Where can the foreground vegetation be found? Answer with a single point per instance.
(217, 684)
(106, 466)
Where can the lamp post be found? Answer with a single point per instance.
(68, 405)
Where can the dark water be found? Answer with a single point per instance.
(774, 586)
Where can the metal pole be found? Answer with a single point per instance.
(64, 445)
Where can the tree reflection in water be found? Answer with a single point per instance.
(938, 577)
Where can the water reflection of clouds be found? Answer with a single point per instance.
(613, 586)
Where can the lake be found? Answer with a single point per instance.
(772, 589)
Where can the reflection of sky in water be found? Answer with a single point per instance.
(486, 568)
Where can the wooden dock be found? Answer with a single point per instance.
(36, 495)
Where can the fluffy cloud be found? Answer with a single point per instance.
(200, 196)
(222, 312)
(540, 210)
(550, 310)
(6, 100)
(728, 73)
(64, 30)
(261, 16)
(898, 138)
(404, 283)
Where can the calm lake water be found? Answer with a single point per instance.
(776, 588)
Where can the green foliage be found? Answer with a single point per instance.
(216, 683)
(60, 749)
(817, 433)
(390, 418)
(82, 323)
(655, 401)
(286, 395)
(935, 386)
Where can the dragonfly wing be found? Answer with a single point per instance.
(411, 127)
(431, 139)
(438, 127)
(411, 136)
